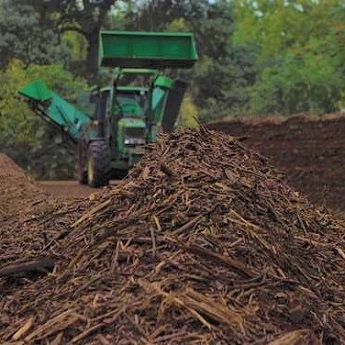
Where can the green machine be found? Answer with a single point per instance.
(122, 118)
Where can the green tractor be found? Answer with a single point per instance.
(122, 118)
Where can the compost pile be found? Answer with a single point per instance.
(202, 244)
(309, 149)
(19, 201)
(15, 188)
(29, 216)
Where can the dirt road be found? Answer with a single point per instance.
(68, 189)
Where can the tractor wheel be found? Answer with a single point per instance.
(81, 166)
(119, 174)
(82, 175)
(98, 161)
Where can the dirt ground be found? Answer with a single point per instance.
(70, 190)
(66, 189)
(309, 150)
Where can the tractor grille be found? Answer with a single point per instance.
(135, 133)
(134, 136)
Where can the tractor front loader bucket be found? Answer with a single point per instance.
(157, 50)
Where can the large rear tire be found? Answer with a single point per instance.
(119, 174)
(82, 177)
(98, 161)
(81, 168)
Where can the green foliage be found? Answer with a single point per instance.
(259, 56)
(225, 70)
(158, 15)
(24, 136)
(302, 57)
(188, 113)
(22, 37)
(41, 25)
(77, 45)
(179, 25)
(297, 84)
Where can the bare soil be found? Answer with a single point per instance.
(66, 190)
(309, 150)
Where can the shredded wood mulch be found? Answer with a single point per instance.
(202, 244)
(29, 217)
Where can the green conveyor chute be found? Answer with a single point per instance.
(54, 108)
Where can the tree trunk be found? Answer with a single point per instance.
(92, 55)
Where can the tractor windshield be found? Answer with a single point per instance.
(131, 101)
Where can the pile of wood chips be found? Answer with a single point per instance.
(29, 217)
(202, 244)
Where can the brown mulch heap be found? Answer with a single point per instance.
(16, 190)
(29, 217)
(202, 244)
(20, 200)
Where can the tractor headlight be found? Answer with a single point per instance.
(134, 141)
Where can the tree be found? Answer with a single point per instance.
(157, 15)
(302, 57)
(225, 69)
(22, 37)
(219, 79)
(85, 17)
(297, 84)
